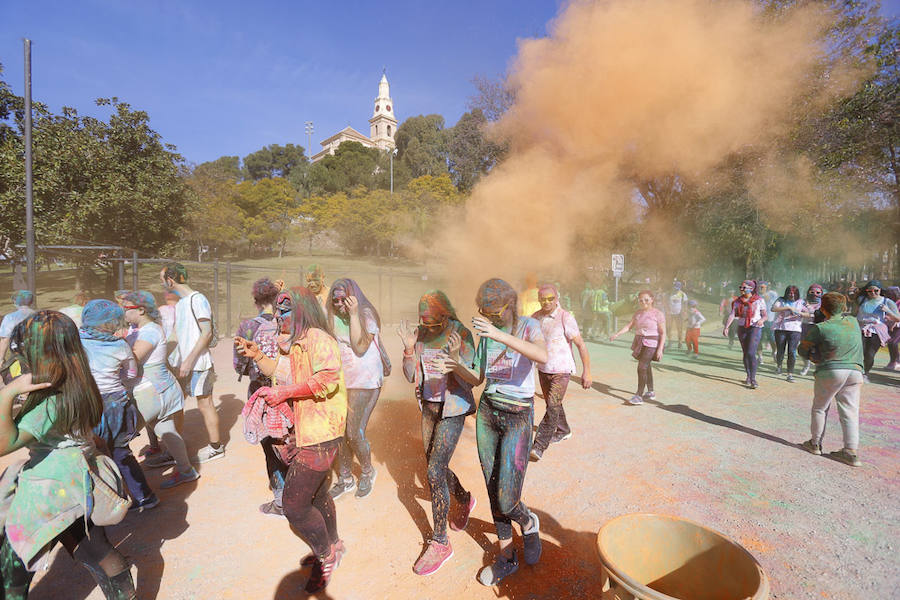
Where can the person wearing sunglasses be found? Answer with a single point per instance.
(356, 325)
(445, 400)
(876, 315)
(649, 326)
(749, 310)
(560, 332)
(509, 347)
(814, 295)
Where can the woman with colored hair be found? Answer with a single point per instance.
(749, 310)
(112, 363)
(158, 396)
(46, 500)
(446, 400)
(790, 310)
(356, 324)
(307, 375)
(509, 347)
(876, 315)
(649, 324)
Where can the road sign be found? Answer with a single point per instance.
(618, 264)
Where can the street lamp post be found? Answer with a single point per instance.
(309, 132)
(393, 154)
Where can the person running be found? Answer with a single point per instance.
(813, 302)
(876, 315)
(649, 326)
(768, 333)
(193, 364)
(73, 311)
(315, 282)
(695, 320)
(836, 346)
(112, 363)
(789, 311)
(560, 331)
(445, 400)
(749, 310)
(45, 502)
(158, 396)
(263, 330)
(23, 300)
(315, 388)
(893, 293)
(509, 347)
(356, 325)
(675, 311)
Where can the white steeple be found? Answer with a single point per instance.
(383, 124)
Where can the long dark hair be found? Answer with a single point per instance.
(307, 313)
(351, 288)
(48, 344)
(791, 293)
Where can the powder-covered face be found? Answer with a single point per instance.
(284, 313)
(549, 300)
(339, 301)
(314, 283)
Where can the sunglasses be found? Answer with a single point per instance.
(494, 315)
(131, 307)
(433, 326)
(546, 299)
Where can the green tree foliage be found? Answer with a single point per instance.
(421, 146)
(351, 165)
(228, 167)
(214, 218)
(470, 155)
(273, 161)
(269, 207)
(97, 182)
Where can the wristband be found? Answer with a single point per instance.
(408, 353)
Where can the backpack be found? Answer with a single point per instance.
(212, 323)
(262, 331)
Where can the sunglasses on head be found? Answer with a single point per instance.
(493, 315)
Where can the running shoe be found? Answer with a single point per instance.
(149, 450)
(866, 378)
(557, 437)
(635, 400)
(434, 557)
(532, 538)
(146, 503)
(158, 460)
(536, 454)
(341, 487)
(366, 483)
(846, 456)
(501, 569)
(651, 395)
(177, 478)
(805, 370)
(812, 447)
(778, 370)
(271, 509)
(208, 453)
(322, 569)
(753, 385)
(789, 378)
(459, 519)
(891, 366)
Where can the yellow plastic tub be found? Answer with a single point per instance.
(660, 557)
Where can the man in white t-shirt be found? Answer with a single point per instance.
(23, 301)
(192, 362)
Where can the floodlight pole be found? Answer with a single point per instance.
(29, 182)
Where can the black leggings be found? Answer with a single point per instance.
(309, 508)
(106, 564)
(360, 404)
(440, 437)
(645, 370)
(749, 337)
(871, 346)
(786, 340)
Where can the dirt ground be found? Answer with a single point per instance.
(708, 450)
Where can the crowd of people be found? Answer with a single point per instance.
(81, 383)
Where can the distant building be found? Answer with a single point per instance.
(382, 126)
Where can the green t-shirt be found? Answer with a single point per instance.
(837, 343)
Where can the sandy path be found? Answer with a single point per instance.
(708, 450)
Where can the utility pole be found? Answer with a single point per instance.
(29, 181)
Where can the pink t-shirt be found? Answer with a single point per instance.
(648, 324)
(559, 329)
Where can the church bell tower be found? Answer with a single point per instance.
(383, 124)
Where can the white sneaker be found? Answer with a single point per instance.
(208, 453)
(635, 400)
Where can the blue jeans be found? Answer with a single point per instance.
(749, 338)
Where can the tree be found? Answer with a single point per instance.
(273, 161)
(470, 154)
(214, 218)
(224, 166)
(421, 146)
(351, 165)
(493, 97)
(269, 208)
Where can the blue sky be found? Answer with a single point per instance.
(226, 77)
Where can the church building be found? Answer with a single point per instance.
(382, 126)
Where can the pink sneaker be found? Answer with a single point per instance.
(434, 557)
(459, 520)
